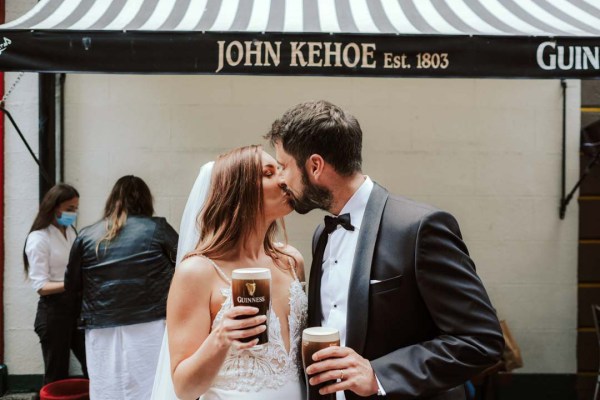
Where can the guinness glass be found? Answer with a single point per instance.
(252, 287)
(313, 340)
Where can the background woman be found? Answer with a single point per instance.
(124, 265)
(45, 257)
(237, 227)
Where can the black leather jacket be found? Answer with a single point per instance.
(127, 281)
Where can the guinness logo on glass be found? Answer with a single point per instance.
(251, 287)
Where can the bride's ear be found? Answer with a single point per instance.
(315, 165)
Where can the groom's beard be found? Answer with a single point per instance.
(312, 196)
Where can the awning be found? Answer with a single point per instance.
(437, 38)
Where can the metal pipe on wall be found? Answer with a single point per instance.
(47, 131)
(2, 18)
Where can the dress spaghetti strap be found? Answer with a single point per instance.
(192, 254)
(220, 272)
(291, 262)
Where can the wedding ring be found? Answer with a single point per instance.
(341, 374)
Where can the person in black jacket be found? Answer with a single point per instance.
(124, 265)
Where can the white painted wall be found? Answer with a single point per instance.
(22, 351)
(486, 150)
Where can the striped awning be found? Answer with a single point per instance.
(431, 38)
(412, 17)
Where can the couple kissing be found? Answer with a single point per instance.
(391, 275)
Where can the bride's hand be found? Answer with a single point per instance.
(229, 332)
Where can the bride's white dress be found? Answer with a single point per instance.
(267, 372)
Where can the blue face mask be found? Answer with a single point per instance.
(67, 218)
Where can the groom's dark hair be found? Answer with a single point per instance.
(320, 127)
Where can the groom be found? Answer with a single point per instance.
(392, 275)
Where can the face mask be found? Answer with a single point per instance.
(67, 218)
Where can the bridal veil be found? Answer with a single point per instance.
(188, 239)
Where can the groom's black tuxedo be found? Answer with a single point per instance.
(427, 326)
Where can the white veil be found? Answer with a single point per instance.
(188, 229)
(188, 239)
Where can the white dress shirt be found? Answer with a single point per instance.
(48, 251)
(337, 266)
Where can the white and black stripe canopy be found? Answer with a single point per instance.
(572, 26)
(413, 17)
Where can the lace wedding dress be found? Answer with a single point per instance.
(267, 372)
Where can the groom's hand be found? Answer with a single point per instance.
(347, 369)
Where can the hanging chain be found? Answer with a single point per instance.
(9, 91)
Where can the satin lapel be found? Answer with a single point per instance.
(358, 292)
(314, 286)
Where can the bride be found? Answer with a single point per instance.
(237, 226)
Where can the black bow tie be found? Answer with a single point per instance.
(331, 223)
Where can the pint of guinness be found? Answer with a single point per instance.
(252, 287)
(313, 340)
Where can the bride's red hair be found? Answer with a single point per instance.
(234, 205)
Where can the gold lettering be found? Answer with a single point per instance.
(274, 55)
(314, 53)
(238, 51)
(297, 55)
(221, 44)
(388, 60)
(257, 51)
(346, 56)
(367, 55)
(337, 53)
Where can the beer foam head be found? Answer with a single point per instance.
(321, 334)
(251, 273)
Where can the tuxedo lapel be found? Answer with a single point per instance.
(358, 291)
(314, 285)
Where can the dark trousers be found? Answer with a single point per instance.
(56, 326)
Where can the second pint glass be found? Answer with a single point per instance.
(313, 340)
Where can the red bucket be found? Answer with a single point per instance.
(66, 389)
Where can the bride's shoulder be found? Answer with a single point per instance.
(291, 250)
(298, 260)
(195, 268)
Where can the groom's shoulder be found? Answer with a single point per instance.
(407, 205)
(403, 210)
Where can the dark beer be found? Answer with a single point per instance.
(252, 287)
(313, 340)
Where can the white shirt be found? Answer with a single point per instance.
(48, 251)
(337, 265)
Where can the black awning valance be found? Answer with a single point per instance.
(458, 38)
